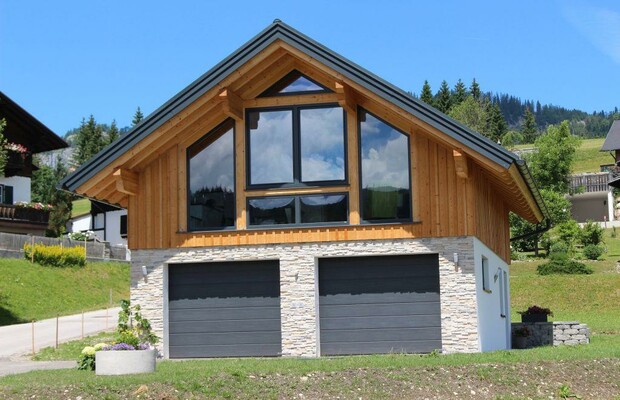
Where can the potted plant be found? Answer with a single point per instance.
(520, 335)
(132, 351)
(535, 314)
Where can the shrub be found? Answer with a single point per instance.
(55, 256)
(591, 234)
(593, 251)
(569, 233)
(86, 361)
(562, 265)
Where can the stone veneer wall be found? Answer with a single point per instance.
(554, 333)
(298, 284)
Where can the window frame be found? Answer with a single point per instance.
(297, 162)
(188, 189)
(297, 201)
(361, 173)
(269, 92)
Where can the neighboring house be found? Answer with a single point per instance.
(289, 202)
(592, 199)
(612, 145)
(106, 221)
(25, 136)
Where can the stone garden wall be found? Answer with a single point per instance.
(554, 333)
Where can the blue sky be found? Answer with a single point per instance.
(65, 60)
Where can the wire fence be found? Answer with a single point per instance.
(12, 246)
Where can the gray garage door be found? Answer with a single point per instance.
(379, 304)
(228, 309)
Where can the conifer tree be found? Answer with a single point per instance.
(89, 141)
(137, 117)
(443, 101)
(529, 128)
(426, 95)
(496, 125)
(459, 94)
(474, 89)
(113, 133)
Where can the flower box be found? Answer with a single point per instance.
(124, 362)
(533, 317)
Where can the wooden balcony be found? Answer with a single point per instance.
(23, 220)
(590, 183)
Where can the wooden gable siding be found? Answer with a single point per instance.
(444, 204)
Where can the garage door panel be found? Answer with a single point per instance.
(379, 298)
(371, 309)
(381, 335)
(379, 304)
(225, 338)
(381, 347)
(376, 321)
(224, 309)
(237, 350)
(248, 325)
(221, 303)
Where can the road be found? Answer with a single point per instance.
(16, 340)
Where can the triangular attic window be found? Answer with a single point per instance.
(294, 83)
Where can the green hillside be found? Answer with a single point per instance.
(29, 291)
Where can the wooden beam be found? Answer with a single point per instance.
(232, 104)
(126, 181)
(346, 97)
(460, 162)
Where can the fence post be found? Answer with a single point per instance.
(106, 318)
(111, 303)
(32, 249)
(33, 337)
(82, 324)
(56, 331)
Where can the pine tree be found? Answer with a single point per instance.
(496, 124)
(113, 133)
(529, 128)
(137, 117)
(44, 182)
(460, 93)
(443, 101)
(426, 95)
(89, 141)
(474, 89)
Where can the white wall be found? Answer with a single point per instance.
(80, 224)
(493, 329)
(113, 227)
(21, 187)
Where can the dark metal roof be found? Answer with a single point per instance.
(612, 141)
(279, 30)
(23, 128)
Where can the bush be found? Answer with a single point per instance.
(591, 234)
(55, 256)
(593, 251)
(562, 265)
(569, 233)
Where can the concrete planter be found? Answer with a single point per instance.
(533, 317)
(124, 362)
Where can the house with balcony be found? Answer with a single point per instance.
(291, 203)
(25, 136)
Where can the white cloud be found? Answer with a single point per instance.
(600, 25)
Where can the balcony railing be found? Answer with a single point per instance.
(24, 214)
(589, 183)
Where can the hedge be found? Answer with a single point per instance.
(55, 256)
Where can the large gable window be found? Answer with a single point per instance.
(296, 146)
(298, 210)
(294, 83)
(212, 180)
(386, 187)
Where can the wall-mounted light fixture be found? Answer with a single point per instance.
(456, 261)
(145, 273)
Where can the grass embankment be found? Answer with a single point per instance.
(80, 207)
(588, 157)
(32, 292)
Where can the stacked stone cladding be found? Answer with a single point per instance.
(298, 284)
(554, 333)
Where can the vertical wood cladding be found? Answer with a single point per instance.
(444, 205)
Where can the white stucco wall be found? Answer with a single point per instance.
(493, 329)
(21, 187)
(113, 227)
(80, 224)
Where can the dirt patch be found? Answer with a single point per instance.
(587, 379)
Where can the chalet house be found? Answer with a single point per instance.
(25, 136)
(289, 202)
(108, 222)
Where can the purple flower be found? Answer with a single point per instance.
(143, 346)
(120, 346)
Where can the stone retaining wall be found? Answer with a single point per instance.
(554, 333)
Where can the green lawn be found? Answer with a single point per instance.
(30, 291)
(80, 207)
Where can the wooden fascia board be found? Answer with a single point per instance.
(526, 193)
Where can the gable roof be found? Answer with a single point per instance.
(612, 141)
(281, 31)
(23, 128)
